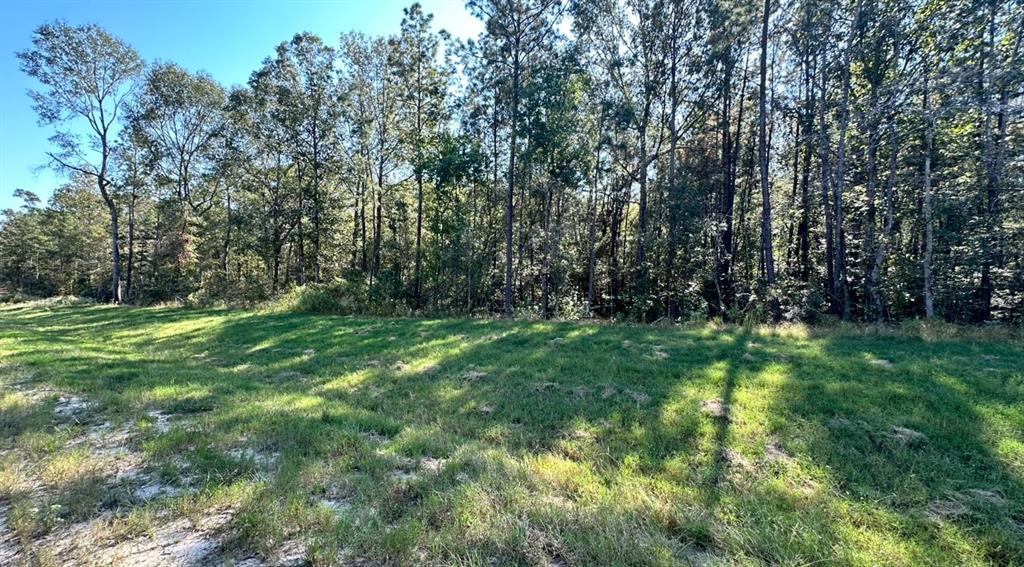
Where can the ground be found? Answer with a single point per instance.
(173, 436)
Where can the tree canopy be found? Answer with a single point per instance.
(639, 159)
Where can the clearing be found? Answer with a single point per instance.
(173, 436)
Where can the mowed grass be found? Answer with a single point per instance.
(472, 442)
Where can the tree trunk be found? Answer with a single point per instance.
(417, 289)
(301, 236)
(843, 289)
(591, 244)
(870, 215)
(227, 231)
(824, 143)
(131, 245)
(726, 201)
(926, 207)
(546, 261)
(510, 194)
(878, 306)
(641, 229)
(804, 228)
(115, 253)
(766, 203)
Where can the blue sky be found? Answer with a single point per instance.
(226, 38)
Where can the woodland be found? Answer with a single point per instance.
(638, 159)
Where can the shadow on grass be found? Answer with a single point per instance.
(430, 387)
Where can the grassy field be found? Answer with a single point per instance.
(169, 435)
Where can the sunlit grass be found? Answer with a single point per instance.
(479, 442)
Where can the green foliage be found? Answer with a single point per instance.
(376, 173)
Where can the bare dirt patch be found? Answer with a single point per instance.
(289, 376)
(9, 546)
(734, 459)
(171, 541)
(291, 553)
(638, 397)
(581, 392)
(163, 420)
(261, 459)
(336, 500)
(69, 406)
(715, 408)
(964, 503)
(775, 453)
(432, 465)
(156, 489)
(374, 437)
(473, 375)
(907, 435)
(881, 363)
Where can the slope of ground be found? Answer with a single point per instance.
(170, 436)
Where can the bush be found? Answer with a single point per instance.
(344, 297)
(24, 300)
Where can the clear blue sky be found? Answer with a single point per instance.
(228, 39)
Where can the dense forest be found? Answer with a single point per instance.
(638, 159)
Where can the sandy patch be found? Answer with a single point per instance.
(473, 375)
(907, 435)
(638, 397)
(881, 363)
(581, 392)
(261, 459)
(715, 408)
(773, 452)
(432, 465)
(289, 376)
(163, 420)
(963, 503)
(68, 406)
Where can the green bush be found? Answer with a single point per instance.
(339, 298)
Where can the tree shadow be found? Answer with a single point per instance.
(610, 399)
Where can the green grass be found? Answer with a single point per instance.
(477, 442)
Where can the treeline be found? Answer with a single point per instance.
(640, 159)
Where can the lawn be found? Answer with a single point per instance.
(207, 436)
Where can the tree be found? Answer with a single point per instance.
(86, 73)
(623, 169)
(179, 117)
(521, 29)
(303, 82)
(414, 54)
(766, 202)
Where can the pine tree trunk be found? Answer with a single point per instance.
(766, 202)
(926, 207)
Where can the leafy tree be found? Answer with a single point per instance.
(86, 73)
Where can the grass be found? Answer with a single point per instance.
(477, 442)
